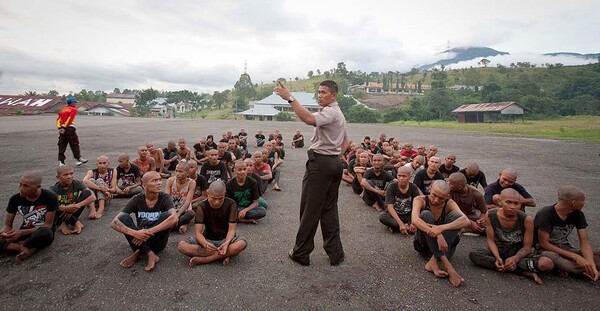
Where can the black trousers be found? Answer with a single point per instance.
(320, 187)
(39, 239)
(155, 243)
(68, 138)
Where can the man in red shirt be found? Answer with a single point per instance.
(67, 135)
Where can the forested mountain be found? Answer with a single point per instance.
(461, 54)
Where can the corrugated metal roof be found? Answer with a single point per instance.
(485, 107)
(306, 99)
(260, 110)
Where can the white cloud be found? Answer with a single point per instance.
(68, 45)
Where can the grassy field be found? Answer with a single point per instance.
(585, 128)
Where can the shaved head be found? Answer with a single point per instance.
(569, 193)
(458, 178)
(149, 176)
(33, 176)
(217, 187)
(441, 185)
(509, 192)
(509, 171)
(63, 169)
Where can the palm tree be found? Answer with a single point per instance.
(30, 93)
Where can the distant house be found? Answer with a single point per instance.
(120, 98)
(488, 112)
(266, 109)
(105, 109)
(377, 88)
(161, 107)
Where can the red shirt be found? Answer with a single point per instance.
(66, 117)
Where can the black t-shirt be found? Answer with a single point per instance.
(209, 146)
(495, 188)
(169, 154)
(216, 220)
(260, 139)
(299, 143)
(226, 157)
(146, 217)
(199, 151)
(201, 185)
(402, 201)
(213, 173)
(243, 195)
(33, 212)
(128, 178)
(69, 195)
(423, 181)
(447, 172)
(380, 182)
(477, 180)
(548, 220)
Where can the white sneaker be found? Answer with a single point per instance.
(81, 161)
(61, 163)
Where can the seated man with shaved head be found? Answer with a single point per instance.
(415, 165)
(128, 178)
(448, 167)
(201, 184)
(213, 169)
(154, 217)
(375, 182)
(181, 189)
(37, 207)
(555, 223)
(215, 229)
(470, 201)
(475, 177)
(509, 234)
(144, 161)
(507, 179)
(399, 197)
(438, 221)
(425, 178)
(73, 197)
(244, 191)
(103, 182)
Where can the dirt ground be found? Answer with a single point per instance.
(381, 271)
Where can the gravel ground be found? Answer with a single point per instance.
(381, 271)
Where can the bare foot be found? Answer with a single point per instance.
(432, 266)
(129, 261)
(100, 213)
(64, 229)
(25, 252)
(248, 221)
(93, 215)
(194, 261)
(183, 229)
(226, 261)
(276, 187)
(455, 279)
(77, 228)
(152, 260)
(534, 277)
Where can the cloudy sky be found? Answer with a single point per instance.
(69, 45)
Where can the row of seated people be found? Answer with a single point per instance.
(435, 218)
(147, 232)
(394, 186)
(228, 150)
